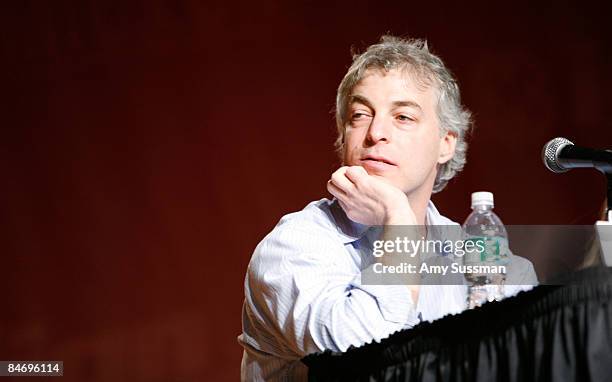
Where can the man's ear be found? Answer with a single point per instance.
(448, 142)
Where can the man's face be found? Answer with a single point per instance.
(394, 133)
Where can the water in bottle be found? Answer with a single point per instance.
(484, 227)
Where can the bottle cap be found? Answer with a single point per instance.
(482, 198)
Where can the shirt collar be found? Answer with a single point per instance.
(348, 230)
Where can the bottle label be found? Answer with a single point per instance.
(495, 250)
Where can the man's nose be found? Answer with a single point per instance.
(379, 130)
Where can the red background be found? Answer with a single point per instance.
(147, 147)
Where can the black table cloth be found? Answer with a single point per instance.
(551, 333)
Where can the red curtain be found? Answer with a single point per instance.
(147, 146)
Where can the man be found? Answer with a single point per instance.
(401, 137)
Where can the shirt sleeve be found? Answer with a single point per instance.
(304, 297)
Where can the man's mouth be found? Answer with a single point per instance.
(379, 159)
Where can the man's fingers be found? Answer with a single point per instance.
(340, 180)
(356, 174)
(335, 190)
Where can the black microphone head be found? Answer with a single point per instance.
(550, 154)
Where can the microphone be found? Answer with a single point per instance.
(561, 155)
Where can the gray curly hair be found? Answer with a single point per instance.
(427, 69)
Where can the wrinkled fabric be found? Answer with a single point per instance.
(551, 333)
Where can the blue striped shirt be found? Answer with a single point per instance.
(303, 293)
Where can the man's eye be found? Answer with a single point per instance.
(405, 118)
(357, 116)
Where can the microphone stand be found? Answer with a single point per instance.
(604, 227)
(609, 209)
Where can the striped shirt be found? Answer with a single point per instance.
(303, 293)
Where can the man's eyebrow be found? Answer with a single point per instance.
(407, 103)
(363, 100)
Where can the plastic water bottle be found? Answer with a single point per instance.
(484, 227)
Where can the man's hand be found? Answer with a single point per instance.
(372, 201)
(368, 200)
